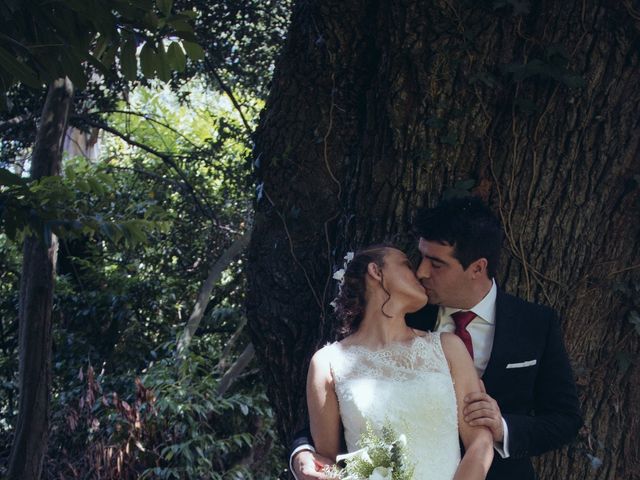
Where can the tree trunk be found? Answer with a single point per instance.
(378, 108)
(36, 301)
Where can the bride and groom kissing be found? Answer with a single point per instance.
(411, 364)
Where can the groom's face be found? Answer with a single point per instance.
(442, 275)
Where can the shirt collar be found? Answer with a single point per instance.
(485, 308)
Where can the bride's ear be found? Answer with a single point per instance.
(374, 271)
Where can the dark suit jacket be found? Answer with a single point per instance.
(538, 402)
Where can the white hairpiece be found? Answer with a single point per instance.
(339, 275)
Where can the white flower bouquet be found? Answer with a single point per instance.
(381, 457)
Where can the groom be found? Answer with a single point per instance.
(530, 404)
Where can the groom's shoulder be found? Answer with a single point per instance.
(515, 303)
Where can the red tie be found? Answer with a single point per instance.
(462, 319)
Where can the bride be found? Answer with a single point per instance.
(384, 372)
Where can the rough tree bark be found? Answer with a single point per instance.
(36, 301)
(378, 108)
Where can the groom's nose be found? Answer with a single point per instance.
(424, 269)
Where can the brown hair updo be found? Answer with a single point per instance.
(351, 300)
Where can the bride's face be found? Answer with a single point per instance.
(407, 293)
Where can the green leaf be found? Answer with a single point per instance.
(187, 36)
(148, 60)
(101, 46)
(95, 185)
(194, 51)
(109, 56)
(19, 70)
(151, 21)
(189, 13)
(165, 6)
(180, 24)
(128, 60)
(8, 178)
(176, 57)
(162, 64)
(72, 67)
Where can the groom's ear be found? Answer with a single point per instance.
(479, 267)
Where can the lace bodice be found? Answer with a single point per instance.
(407, 385)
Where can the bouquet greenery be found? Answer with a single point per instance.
(381, 457)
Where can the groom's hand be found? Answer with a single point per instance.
(308, 465)
(482, 410)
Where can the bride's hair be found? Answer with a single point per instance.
(351, 300)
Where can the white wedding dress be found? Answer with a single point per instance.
(409, 386)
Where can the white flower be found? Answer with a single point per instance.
(381, 473)
(339, 275)
(362, 454)
(349, 256)
(402, 440)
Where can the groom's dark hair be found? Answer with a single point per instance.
(466, 224)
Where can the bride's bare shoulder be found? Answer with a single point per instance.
(322, 357)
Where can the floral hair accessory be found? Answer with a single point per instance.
(339, 274)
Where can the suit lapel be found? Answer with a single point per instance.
(506, 323)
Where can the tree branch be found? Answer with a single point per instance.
(222, 363)
(166, 158)
(205, 291)
(15, 121)
(149, 119)
(236, 369)
(230, 94)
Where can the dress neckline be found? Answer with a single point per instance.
(389, 347)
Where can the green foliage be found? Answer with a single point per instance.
(67, 207)
(10, 257)
(241, 39)
(386, 449)
(174, 425)
(119, 304)
(207, 436)
(43, 41)
(138, 232)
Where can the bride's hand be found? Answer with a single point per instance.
(308, 465)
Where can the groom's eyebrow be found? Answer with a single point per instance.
(435, 259)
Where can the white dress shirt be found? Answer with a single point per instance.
(482, 330)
